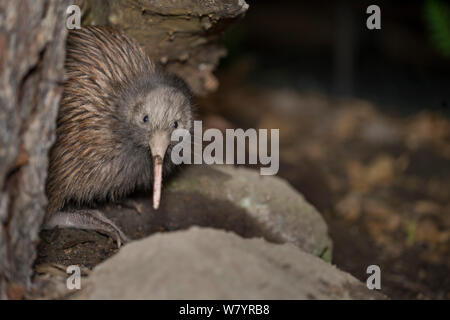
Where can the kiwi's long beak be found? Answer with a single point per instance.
(157, 180)
(158, 146)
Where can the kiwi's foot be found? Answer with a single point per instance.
(87, 219)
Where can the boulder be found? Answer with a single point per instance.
(282, 214)
(203, 263)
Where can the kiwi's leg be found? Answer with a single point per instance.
(87, 219)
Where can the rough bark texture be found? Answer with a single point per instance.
(32, 35)
(183, 35)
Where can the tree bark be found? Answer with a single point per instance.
(182, 35)
(32, 38)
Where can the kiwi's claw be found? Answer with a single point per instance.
(87, 219)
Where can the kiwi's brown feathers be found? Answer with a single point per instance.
(100, 152)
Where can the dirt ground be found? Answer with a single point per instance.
(381, 180)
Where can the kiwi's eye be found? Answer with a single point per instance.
(175, 124)
(145, 119)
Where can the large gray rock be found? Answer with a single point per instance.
(213, 264)
(270, 202)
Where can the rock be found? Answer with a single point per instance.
(220, 197)
(270, 201)
(213, 264)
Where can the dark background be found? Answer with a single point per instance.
(325, 46)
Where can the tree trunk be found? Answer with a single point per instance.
(32, 38)
(183, 35)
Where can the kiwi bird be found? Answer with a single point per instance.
(115, 120)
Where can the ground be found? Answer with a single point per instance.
(381, 179)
